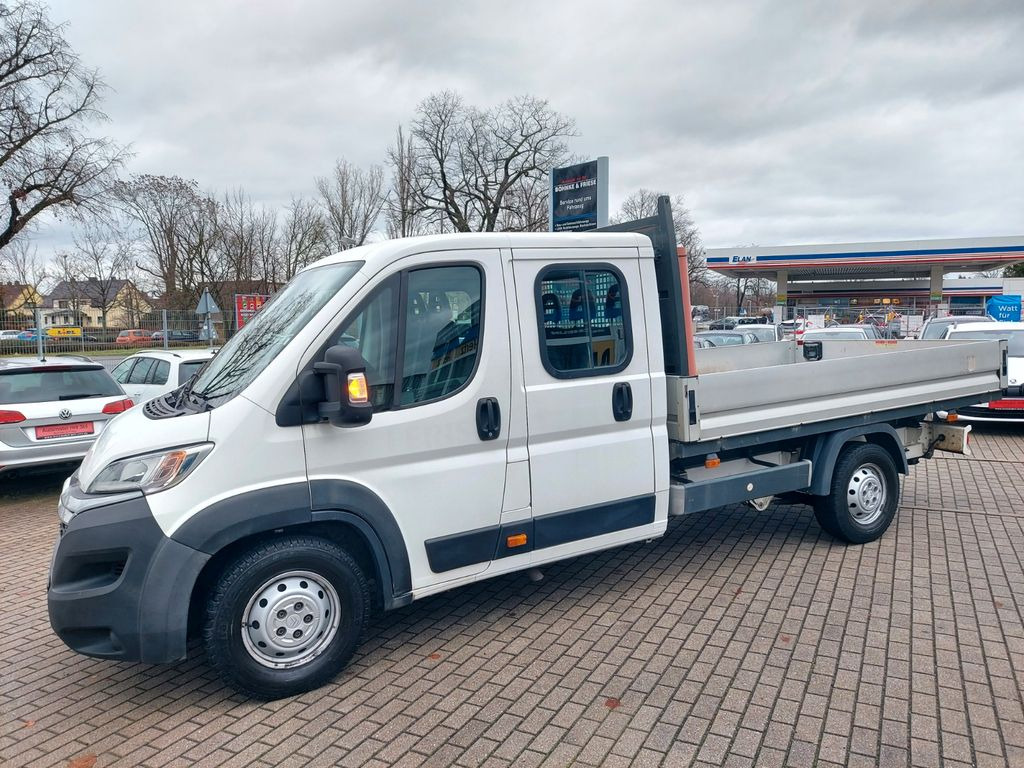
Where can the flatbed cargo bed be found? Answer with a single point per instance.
(751, 394)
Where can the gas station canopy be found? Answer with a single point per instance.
(860, 261)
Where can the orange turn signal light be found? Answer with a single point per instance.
(358, 389)
(712, 461)
(952, 416)
(515, 540)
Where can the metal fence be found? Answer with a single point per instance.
(31, 331)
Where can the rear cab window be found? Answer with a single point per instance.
(583, 320)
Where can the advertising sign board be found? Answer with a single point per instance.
(247, 305)
(1004, 308)
(579, 196)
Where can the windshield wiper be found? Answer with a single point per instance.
(83, 395)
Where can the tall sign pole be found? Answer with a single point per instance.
(579, 197)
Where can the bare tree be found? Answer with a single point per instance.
(175, 219)
(103, 253)
(644, 203)
(48, 100)
(352, 200)
(527, 206)
(469, 161)
(20, 263)
(403, 212)
(303, 237)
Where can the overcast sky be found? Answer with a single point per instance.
(780, 122)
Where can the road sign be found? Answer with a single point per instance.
(207, 306)
(579, 196)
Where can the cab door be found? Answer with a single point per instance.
(433, 330)
(588, 397)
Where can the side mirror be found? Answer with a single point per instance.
(346, 390)
(812, 350)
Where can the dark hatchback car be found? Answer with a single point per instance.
(176, 335)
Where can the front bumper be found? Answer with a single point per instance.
(119, 589)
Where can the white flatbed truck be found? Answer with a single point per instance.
(414, 415)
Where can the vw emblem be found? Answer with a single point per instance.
(64, 414)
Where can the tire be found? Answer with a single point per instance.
(864, 497)
(285, 616)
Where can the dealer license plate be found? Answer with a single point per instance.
(64, 430)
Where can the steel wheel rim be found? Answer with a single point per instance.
(290, 619)
(866, 494)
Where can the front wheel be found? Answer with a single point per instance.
(286, 616)
(864, 496)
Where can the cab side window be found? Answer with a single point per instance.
(419, 335)
(583, 319)
(442, 332)
(374, 331)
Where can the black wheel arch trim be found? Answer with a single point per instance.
(826, 451)
(266, 509)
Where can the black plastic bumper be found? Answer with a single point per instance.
(119, 588)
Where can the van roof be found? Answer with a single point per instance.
(380, 254)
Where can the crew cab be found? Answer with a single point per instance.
(414, 415)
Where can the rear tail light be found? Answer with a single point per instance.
(118, 407)
(11, 417)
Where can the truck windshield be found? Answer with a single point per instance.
(1015, 339)
(261, 339)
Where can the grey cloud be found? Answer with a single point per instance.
(780, 122)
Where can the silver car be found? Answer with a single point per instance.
(52, 410)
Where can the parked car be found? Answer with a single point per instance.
(728, 323)
(146, 375)
(726, 338)
(765, 332)
(1011, 407)
(29, 334)
(873, 331)
(9, 335)
(52, 411)
(936, 327)
(837, 333)
(174, 335)
(134, 337)
(794, 329)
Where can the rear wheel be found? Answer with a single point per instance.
(286, 616)
(864, 495)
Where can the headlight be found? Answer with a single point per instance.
(150, 472)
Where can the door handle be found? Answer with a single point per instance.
(622, 401)
(488, 418)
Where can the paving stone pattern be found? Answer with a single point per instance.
(738, 639)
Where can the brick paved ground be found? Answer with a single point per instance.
(738, 639)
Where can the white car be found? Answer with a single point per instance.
(1010, 408)
(52, 411)
(837, 333)
(151, 373)
(9, 335)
